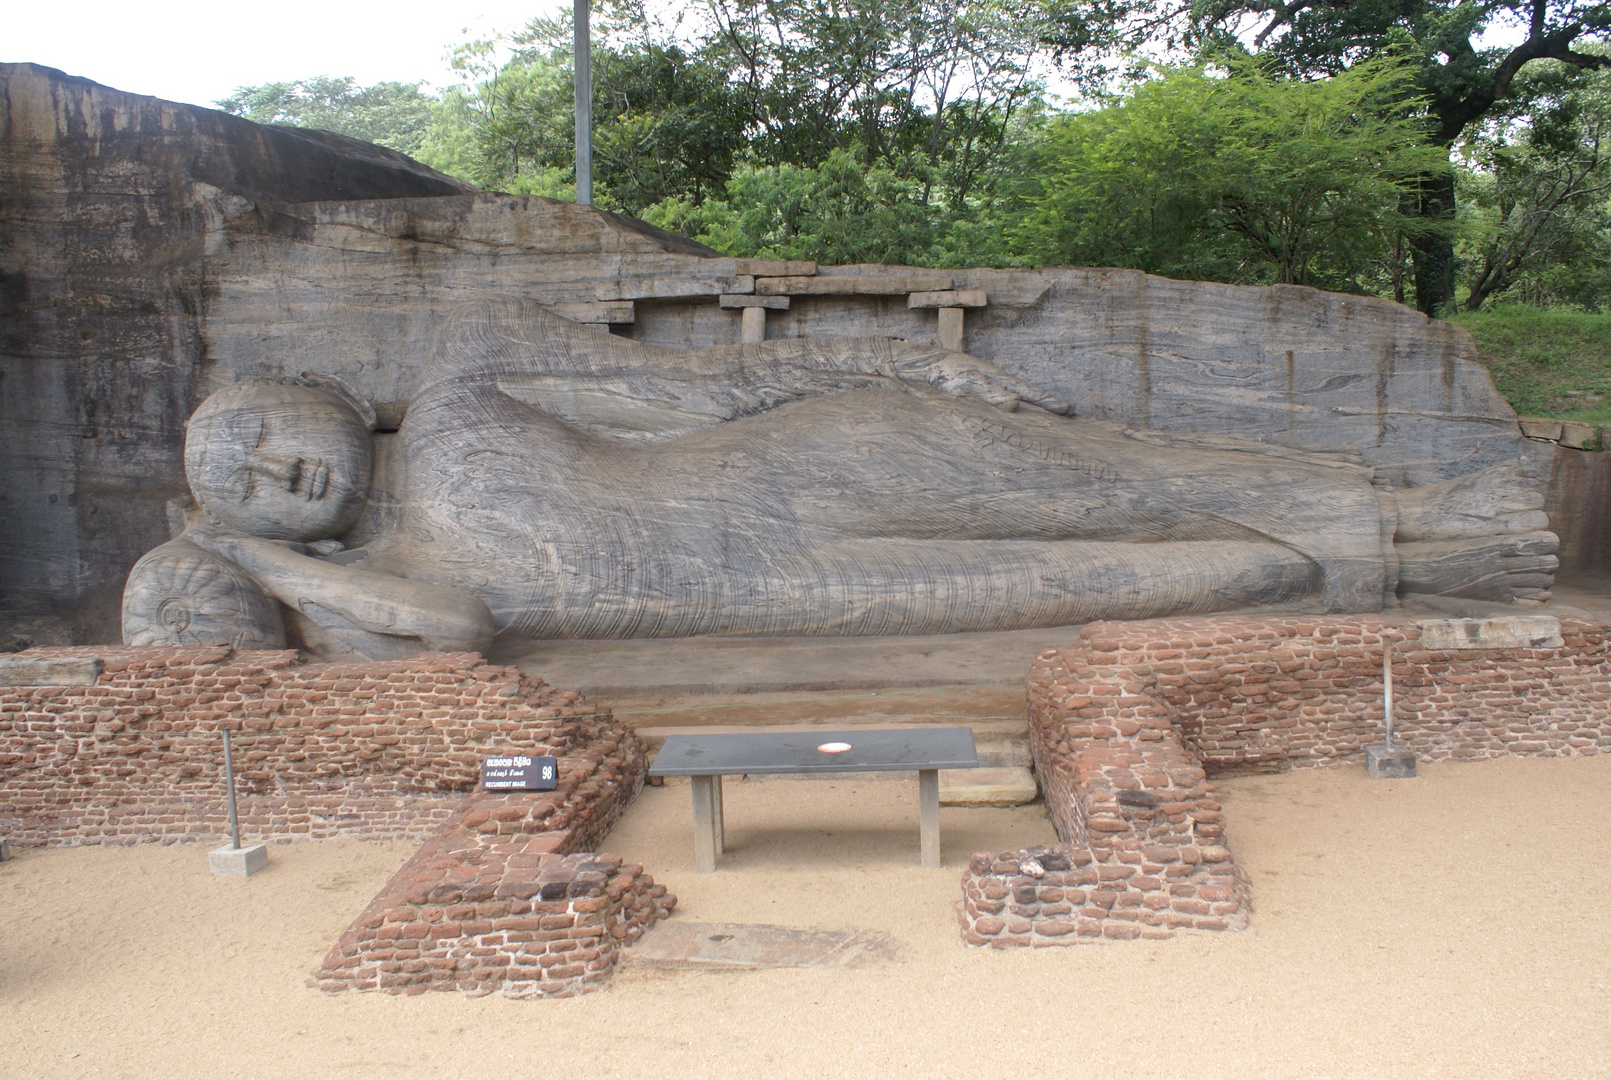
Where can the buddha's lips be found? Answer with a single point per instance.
(318, 481)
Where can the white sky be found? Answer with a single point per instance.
(199, 52)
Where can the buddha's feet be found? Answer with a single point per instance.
(1484, 536)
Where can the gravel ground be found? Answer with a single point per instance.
(1456, 925)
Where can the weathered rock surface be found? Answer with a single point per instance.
(151, 253)
(111, 207)
(1578, 501)
(559, 482)
(1505, 632)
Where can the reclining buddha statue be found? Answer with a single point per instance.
(562, 482)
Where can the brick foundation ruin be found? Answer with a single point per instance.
(124, 747)
(488, 904)
(1127, 724)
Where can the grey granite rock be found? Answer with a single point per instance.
(152, 253)
(111, 206)
(557, 481)
(1506, 632)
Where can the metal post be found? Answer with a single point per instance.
(584, 103)
(229, 773)
(1387, 691)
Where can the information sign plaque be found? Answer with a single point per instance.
(519, 772)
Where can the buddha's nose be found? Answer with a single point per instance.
(286, 469)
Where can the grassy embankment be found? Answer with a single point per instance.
(1547, 362)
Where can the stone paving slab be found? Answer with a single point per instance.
(1009, 786)
(761, 945)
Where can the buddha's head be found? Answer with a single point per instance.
(282, 461)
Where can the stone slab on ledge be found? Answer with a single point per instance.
(22, 669)
(1503, 632)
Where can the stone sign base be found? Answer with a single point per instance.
(238, 862)
(1384, 764)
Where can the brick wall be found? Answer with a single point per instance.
(378, 750)
(1143, 853)
(488, 904)
(1127, 724)
(504, 894)
(1280, 693)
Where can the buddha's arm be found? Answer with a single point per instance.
(342, 597)
(631, 390)
(808, 363)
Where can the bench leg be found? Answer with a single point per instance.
(928, 817)
(704, 788)
(721, 821)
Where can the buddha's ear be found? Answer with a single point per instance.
(344, 390)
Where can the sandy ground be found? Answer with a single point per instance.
(1455, 926)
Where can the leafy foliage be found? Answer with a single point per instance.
(1460, 78)
(837, 212)
(394, 115)
(1538, 188)
(894, 81)
(1235, 177)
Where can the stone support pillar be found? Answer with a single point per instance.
(951, 328)
(752, 314)
(949, 305)
(753, 327)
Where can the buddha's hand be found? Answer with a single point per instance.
(239, 548)
(962, 375)
(352, 603)
(236, 545)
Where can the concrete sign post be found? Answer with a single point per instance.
(234, 860)
(1384, 762)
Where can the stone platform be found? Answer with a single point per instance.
(699, 678)
(663, 687)
(687, 686)
(640, 668)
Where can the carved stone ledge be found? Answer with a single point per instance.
(952, 298)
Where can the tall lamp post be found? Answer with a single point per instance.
(584, 104)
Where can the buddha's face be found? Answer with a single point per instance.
(282, 462)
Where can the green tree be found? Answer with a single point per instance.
(911, 90)
(667, 122)
(1537, 221)
(839, 212)
(887, 81)
(1460, 79)
(1236, 177)
(519, 131)
(390, 114)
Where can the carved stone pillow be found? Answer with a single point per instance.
(180, 595)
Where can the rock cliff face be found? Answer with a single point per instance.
(152, 252)
(111, 207)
